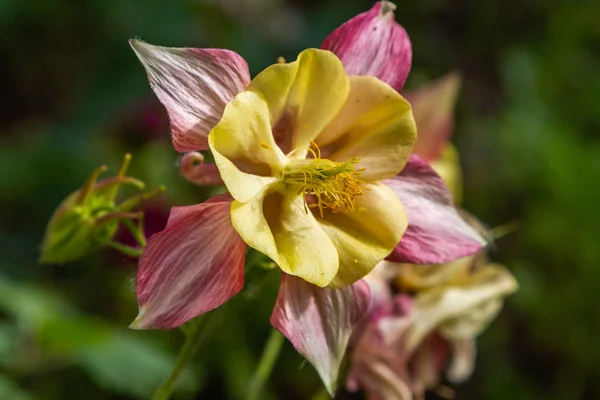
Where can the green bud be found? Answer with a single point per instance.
(89, 218)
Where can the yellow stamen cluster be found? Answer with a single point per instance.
(333, 184)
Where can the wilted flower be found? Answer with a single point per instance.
(89, 217)
(316, 157)
(409, 339)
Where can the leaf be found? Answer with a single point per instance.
(10, 390)
(117, 359)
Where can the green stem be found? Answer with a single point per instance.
(322, 394)
(137, 231)
(130, 251)
(266, 364)
(195, 333)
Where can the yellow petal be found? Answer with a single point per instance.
(279, 226)
(448, 167)
(424, 276)
(366, 236)
(461, 310)
(376, 125)
(303, 96)
(243, 146)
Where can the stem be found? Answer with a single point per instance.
(137, 231)
(266, 364)
(195, 333)
(130, 251)
(113, 191)
(322, 394)
(89, 184)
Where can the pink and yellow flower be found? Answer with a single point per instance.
(316, 158)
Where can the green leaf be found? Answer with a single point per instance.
(10, 390)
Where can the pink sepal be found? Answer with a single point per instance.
(436, 233)
(373, 43)
(193, 266)
(194, 85)
(319, 321)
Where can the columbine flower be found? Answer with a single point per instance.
(409, 339)
(302, 151)
(315, 156)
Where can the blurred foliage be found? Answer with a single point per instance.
(47, 334)
(74, 97)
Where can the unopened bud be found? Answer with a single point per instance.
(89, 217)
(195, 170)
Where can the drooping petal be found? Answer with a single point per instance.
(195, 170)
(464, 310)
(193, 266)
(194, 85)
(282, 228)
(302, 96)
(436, 233)
(379, 380)
(319, 321)
(433, 107)
(373, 43)
(462, 361)
(365, 236)
(375, 125)
(243, 146)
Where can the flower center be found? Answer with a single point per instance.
(334, 185)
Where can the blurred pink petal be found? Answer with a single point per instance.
(436, 233)
(319, 321)
(194, 85)
(427, 364)
(433, 108)
(379, 380)
(373, 43)
(195, 170)
(380, 356)
(193, 266)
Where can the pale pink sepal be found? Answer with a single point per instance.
(193, 266)
(462, 361)
(373, 43)
(194, 85)
(319, 321)
(436, 234)
(195, 170)
(433, 109)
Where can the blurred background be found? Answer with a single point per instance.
(74, 97)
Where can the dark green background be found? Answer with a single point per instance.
(74, 96)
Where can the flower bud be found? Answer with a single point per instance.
(195, 170)
(88, 218)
